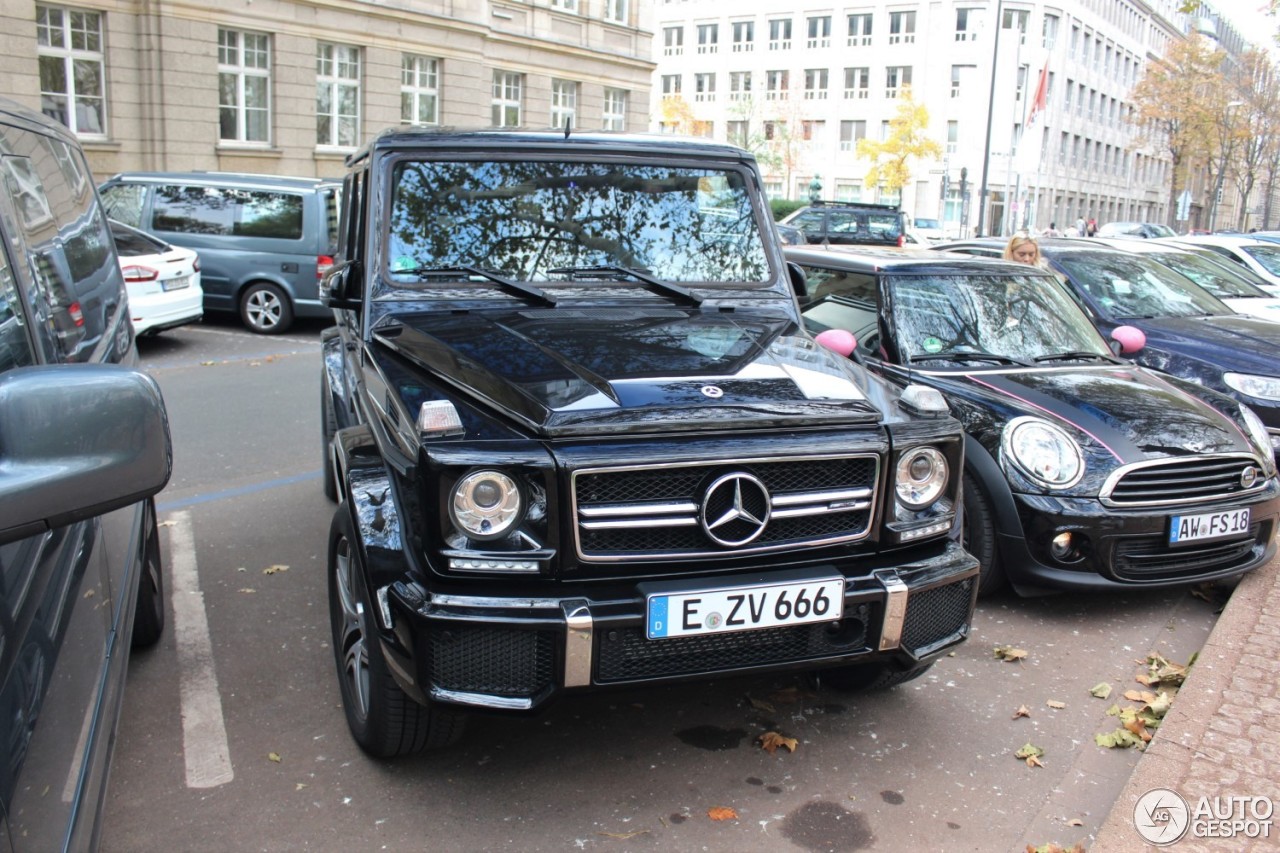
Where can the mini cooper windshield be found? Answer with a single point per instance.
(996, 319)
(568, 222)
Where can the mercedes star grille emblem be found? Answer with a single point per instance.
(735, 509)
(712, 391)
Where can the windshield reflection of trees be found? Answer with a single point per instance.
(1021, 317)
(1139, 287)
(524, 219)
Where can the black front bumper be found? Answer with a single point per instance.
(517, 653)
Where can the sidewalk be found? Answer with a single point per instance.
(1221, 737)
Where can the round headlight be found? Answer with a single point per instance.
(921, 477)
(1257, 431)
(486, 504)
(1044, 452)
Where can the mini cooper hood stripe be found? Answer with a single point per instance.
(1025, 396)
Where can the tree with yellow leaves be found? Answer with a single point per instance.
(907, 139)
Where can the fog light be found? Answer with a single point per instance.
(1062, 546)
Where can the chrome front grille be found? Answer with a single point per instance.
(1181, 481)
(660, 511)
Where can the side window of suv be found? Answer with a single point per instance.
(15, 346)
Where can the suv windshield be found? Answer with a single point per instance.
(568, 221)
(1021, 318)
(1133, 287)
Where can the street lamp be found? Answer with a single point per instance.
(991, 103)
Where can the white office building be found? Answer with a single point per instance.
(801, 85)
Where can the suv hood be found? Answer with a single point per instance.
(596, 371)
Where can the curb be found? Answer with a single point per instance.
(1222, 734)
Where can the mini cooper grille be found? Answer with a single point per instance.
(494, 661)
(1183, 480)
(1149, 558)
(648, 513)
(936, 615)
(626, 654)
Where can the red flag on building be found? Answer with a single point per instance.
(1042, 95)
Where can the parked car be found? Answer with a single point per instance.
(264, 241)
(589, 445)
(1145, 230)
(850, 223)
(789, 234)
(930, 229)
(1076, 462)
(1262, 257)
(163, 281)
(1233, 288)
(83, 448)
(1189, 333)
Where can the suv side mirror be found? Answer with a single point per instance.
(77, 441)
(341, 286)
(799, 286)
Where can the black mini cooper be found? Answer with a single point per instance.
(1082, 470)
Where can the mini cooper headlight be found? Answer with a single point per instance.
(921, 477)
(1044, 452)
(1262, 387)
(1258, 433)
(486, 504)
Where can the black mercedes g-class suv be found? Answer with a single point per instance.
(581, 439)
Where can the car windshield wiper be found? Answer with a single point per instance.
(957, 355)
(1072, 355)
(655, 284)
(515, 288)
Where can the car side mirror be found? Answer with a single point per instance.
(77, 441)
(341, 286)
(1127, 340)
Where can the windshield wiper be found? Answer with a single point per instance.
(655, 284)
(515, 288)
(957, 355)
(1073, 355)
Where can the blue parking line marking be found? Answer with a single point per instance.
(169, 506)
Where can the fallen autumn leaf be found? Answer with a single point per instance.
(1102, 690)
(1009, 653)
(1023, 711)
(722, 813)
(770, 741)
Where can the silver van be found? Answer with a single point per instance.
(264, 241)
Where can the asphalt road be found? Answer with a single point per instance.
(233, 736)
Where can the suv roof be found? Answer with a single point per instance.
(490, 139)
(230, 179)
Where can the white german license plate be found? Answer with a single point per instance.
(744, 608)
(177, 283)
(1208, 525)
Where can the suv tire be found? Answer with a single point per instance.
(383, 719)
(148, 619)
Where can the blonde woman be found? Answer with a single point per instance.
(1025, 250)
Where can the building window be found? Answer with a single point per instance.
(958, 75)
(850, 133)
(737, 133)
(815, 84)
(775, 85)
(953, 136)
(615, 109)
(780, 34)
(811, 130)
(1049, 32)
(704, 87)
(896, 78)
(565, 5)
(244, 86)
(967, 24)
(1016, 18)
(744, 36)
(773, 189)
(708, 38)
(739, 85)
(703, 128)
(617, 11)
(857, 83)
(672, 41)
(672, 84)
(419, 89)
(847, 191)
(508, 92)
(859, 30)
(902, 27)
(819, 32)
(775, 129)
(69, 46)
(1020, 83)
(564, 103)
(337, 95)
